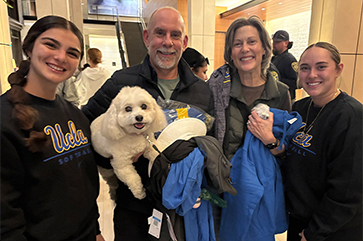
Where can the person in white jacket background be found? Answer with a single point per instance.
(92, 77)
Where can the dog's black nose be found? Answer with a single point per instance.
(139, 117)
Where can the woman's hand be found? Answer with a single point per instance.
(262, 129)
(302, 236)
(197, 203)
(100, 238)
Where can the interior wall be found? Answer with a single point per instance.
(6, 55)
(202, 29)
(342, 24)
(109, 47)
(182, 6)
(222, 25)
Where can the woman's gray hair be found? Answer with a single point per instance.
(256, 22)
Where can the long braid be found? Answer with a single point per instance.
(23, 113)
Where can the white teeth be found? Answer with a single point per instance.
(245, 59)
(55, 67)
(313, 84)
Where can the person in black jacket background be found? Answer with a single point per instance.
(162, 73)
(284, 61)
(197, 62)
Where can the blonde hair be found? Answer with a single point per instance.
(95, 55)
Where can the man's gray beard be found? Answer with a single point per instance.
(162, 65)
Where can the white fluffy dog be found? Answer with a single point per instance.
(121, 133)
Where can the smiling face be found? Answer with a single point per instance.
(247, 50)
(318, 73)
(165, 39)
(136, 110)
(53, 59)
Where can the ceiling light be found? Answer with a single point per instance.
(280, 3)
(263, 9)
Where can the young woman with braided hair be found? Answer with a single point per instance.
(49, 180)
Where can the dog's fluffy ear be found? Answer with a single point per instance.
(159, 122)
(110, 127)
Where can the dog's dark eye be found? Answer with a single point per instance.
(128, 108)
(143, 106)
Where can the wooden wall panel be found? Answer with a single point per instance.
(220, 33)
(274, 9)
(358, 79)
(222, 24)
(183, 9)
(219, 49)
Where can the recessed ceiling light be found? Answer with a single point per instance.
(280, 3)
(263, 9)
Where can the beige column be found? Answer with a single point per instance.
(6, 54)
(340, 22)
(76, 13)
(69, 9)
(201, 28)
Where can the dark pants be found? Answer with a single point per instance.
(130, 225)
(344, 234)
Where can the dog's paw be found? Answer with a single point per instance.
(140, 195)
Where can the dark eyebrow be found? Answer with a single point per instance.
(322, 62)
(51, 39)
(58, 43)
